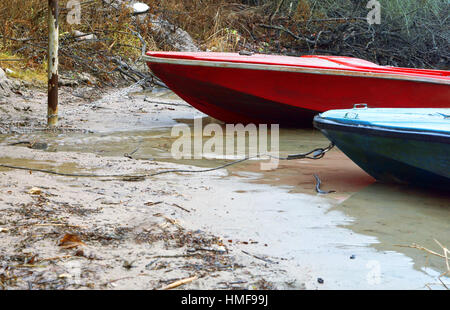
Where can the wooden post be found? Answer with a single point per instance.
(53, 62)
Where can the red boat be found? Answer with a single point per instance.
(287, 90)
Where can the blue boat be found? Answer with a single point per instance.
(408, 146)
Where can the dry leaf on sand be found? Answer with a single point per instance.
(35, 191)
(70, 241)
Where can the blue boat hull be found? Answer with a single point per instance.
(389, 155)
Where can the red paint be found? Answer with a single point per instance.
(244, 95)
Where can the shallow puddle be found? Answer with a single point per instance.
(400, 217)
(345, 248)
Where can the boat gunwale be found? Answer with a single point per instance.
(294, 69)
(322, 123)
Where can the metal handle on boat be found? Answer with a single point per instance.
(360, 106)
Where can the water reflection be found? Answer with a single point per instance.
(398, 215)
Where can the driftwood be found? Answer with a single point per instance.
(445, 255)
(179, 283)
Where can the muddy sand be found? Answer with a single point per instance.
(65, 232)
(226, 229)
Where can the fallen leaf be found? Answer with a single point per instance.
(35, 191)
(70, 241)
(32, 260)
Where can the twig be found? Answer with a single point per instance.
(172, 221)
(445, 255)
(277, 9)
(130, 156)
(418, 247)
(65, 225)
(178, 255)
(440, 280)
(180, 207)
(260, 258)
(337, 19)
(12, 60)
(146, 99)
(179, 283)
(298, 38)
(446, 251)
(150, 203)
(139, 36)
(54, 258)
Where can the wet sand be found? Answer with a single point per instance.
(269, 229)
(300, 174)
(135, 235)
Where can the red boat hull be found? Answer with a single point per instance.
(246, 95)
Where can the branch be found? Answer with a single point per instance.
(281, 28)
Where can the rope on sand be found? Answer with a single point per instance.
(317, 153)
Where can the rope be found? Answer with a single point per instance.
(318, 183)
(318, 154)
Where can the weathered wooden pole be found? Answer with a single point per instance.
(53, 62)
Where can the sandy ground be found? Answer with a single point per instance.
(128, 234)
(235, 228)
(64, 232)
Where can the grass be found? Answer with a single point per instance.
(23, 69)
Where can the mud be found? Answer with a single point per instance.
(268, 230)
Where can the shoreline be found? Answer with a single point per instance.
(268, 230)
